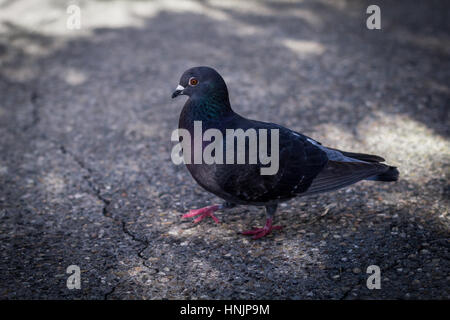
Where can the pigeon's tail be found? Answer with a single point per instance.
(338, 174)
(390, 175)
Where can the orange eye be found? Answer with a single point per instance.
(193, 81)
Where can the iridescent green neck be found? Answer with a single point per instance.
(213, 104)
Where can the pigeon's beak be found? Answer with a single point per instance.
(178, 91)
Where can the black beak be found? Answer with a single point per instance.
(176, 93)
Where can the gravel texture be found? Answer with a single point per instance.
(85, 170)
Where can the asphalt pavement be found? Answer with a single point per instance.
(86, 176)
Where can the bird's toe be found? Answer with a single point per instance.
(258, 233)
(203, 212)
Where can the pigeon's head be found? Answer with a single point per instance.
(199, 82)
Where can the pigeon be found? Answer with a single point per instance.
(305, 166)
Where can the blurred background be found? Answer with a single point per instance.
(85, 171)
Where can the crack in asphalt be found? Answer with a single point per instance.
(105, 212)
(88, 179)
(110, 292)
(35, 118)
(136, 239)
(388, 268)
(362, 279)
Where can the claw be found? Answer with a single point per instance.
(261, 232)
(203, 212)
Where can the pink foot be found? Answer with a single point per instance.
(261, 232)
(203, 212)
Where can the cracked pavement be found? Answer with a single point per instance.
(85, 170)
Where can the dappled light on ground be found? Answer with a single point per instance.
(86, 176)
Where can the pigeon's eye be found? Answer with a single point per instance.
(193, 81)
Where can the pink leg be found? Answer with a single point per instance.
(261, 232)
(203, 212)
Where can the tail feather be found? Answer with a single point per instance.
(390, 175)
(338, 174)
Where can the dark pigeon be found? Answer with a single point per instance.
(305, 166)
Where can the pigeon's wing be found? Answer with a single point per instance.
(339, 155)
(305, 167)
(337, 174)
(360, 156)
(299, 163)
